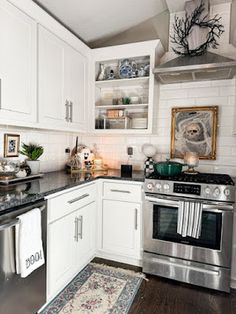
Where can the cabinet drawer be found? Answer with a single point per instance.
(122, 191)
(70, 201)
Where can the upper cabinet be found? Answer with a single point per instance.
(62, 82)
(76, 72)
(124, 90)
(46, 73)
(17, 66)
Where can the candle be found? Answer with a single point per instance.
(191, 159)
(98, 163)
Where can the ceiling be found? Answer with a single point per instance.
(93, 20)
(178, 5)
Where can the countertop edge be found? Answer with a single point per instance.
(13, 204)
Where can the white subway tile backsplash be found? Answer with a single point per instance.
(208, 93)
(174, 94)
(212, 101)
(203, 92)
(188, 102)
(222, 83)
(54, 143)
(227, 90)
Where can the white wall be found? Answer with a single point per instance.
(221, 93)
(54, 144)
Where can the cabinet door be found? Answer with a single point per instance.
(18, 65)
(52, 103)
(86, 233)
(75, 86)
(61, 253)
(121, 228)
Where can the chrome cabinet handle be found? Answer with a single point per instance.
(71, 111)
(120, 191)
(67, 111)
(136, 219)
(78, 198)
(16, 221)
(76, 229)
(80, 233)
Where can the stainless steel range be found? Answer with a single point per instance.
(203, 259)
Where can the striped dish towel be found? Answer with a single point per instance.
(189, 219)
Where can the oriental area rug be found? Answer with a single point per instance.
(97, 289)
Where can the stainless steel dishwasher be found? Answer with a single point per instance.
(20, 295)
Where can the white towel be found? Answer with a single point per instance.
(189, 219)
(29, 248)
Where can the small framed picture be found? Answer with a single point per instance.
(11, 145)
(194, 129)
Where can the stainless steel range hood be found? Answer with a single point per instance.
(209, 66)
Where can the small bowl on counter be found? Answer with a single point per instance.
(8, 169)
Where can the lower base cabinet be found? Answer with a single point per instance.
(102, 220)
(121, 228)
(71, 245)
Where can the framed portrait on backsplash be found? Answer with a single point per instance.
(11, 145)
(194, 129)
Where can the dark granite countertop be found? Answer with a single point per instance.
(14, 195)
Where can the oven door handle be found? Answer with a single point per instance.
(160, 201)
(219, 208)
(15, 221)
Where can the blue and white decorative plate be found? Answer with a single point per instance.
(125, 69)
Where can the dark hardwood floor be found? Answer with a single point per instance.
(163, 296)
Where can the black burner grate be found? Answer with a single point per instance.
(208, 178)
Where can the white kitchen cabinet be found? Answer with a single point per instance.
(75, 83)
(86, 218)
(17, 66)
(121, 228)
(71, 236)
(61, 253)
(119, 221)
(62, 83)
(51, 100)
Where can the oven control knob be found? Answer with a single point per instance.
(207, 190)
(158, 186)
(166, 187)
(227, 192)
(216, 192)
(150, 186)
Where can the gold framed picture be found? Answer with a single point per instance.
(11, 145)
(194, 129)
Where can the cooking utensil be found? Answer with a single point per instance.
(168, 168)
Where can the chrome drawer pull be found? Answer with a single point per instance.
(78, 198)
(120, 191)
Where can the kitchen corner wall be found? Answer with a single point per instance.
(113, 149)
(54, 144)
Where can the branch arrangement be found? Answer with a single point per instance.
(183, 28)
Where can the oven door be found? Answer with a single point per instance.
(161, 237)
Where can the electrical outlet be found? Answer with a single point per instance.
(130, 151)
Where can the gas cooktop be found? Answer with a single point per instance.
(207, 178)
